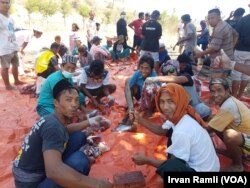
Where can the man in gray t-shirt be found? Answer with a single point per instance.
(50, 155)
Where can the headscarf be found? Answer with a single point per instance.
(167, 65)
(181, 100)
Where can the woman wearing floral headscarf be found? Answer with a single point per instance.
(171, 74)
(192, 149)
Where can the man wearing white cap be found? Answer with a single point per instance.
(45, 103)
(23, 37)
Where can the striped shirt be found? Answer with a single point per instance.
(223, 38)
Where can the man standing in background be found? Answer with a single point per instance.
(8, 46)
(121, 26)
(91, 27)
(190, 38)
(136, 25)
(23, 37)
(223, 37)
(241, 55)
(151, 32)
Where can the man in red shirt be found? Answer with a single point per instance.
(136, 25)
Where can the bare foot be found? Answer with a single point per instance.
(234, 168)
(19, 82)
(10, 87)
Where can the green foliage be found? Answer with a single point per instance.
(32, 6)
(83, 10)
(107, 16)
(11, 10)
(130, 16)
(169, 22)
(65, 8)
(48, 8)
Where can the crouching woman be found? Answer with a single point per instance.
(191, 149)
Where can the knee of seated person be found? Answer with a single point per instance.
(79, 162)
(231, 136)
(203, 110)
(80, 137)
(112, 88)
(82, 99)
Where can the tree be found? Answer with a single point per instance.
(107, 16)
(65, 9)
(169, 22)
(31, 6)
(83, 10)
(48, 8)
(11, 10)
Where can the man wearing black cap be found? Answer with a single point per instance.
(151, 32)
(51, 155)
(97, 51)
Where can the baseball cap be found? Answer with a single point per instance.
(38, 29)
(69, 59)
(96, 38)
(120, 37)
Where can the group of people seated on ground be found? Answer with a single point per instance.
(56, 142)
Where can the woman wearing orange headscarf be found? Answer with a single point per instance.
(191, 149)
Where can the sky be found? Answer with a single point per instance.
(196, 8)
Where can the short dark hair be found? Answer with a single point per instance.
(76, 26)
(54, 45)
(62, 86)
(221, 81)
(239, 12)
(140, 14)
(155, 14)
(146, 59)
(183, 58)
(215, 10)
(82, 48)
(57, 37)
(96, 67)
(186, 18)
